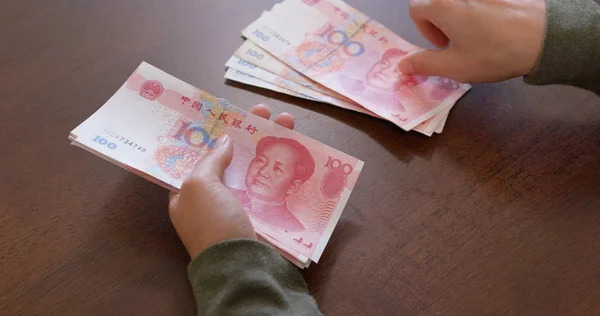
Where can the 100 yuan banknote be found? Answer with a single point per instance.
(293, 188)
(342, 49)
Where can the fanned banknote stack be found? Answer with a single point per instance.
(327, 51)
(293, 188)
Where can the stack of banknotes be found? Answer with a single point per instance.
(293, 188)
(327, 51)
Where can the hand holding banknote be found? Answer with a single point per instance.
(292, 188)
(205, 212)
(344, 52)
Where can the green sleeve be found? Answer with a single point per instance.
(247, 277)
(571, 49)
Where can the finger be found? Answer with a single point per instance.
(213, 165)
(173, 198)
(261, 110)
(285, 120)
(442, 63)
(425, 14)
(432, 33)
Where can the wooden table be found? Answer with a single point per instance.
(499, 215)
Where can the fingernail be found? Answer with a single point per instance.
(406, 68)
(223, 141)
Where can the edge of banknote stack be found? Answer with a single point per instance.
(255, 65)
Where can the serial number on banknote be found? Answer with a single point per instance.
(120, 139)
(265, 37)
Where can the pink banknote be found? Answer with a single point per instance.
(293, 188)
(345, 51)
(255, 55)
(278, 83)
(241, 77)
(241, 65)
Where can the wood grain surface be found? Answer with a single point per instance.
(499, 215)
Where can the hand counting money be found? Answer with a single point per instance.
(331, 48)
(159, 127)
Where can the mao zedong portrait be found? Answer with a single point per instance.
(279, 169)
(383, 82)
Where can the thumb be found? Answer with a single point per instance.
(213, 165)
(437, 63)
